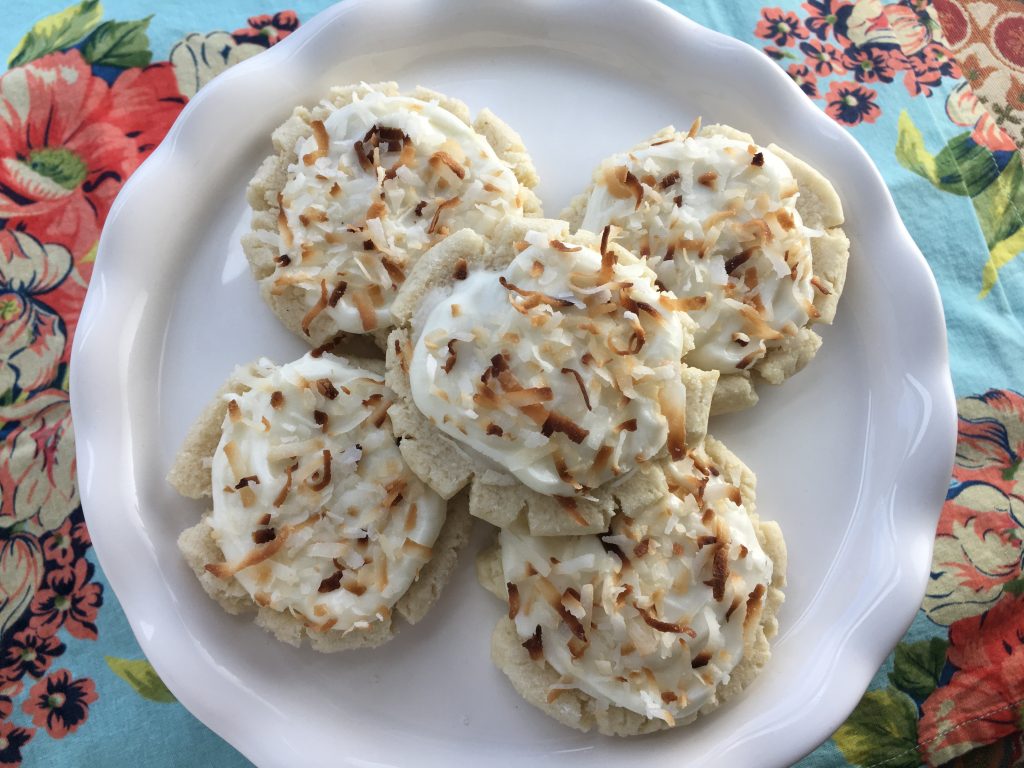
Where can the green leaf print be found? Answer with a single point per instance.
(58, 31)
(883, 728)
(918, 666)
(119, 44)
(969, 170)
(141, 676)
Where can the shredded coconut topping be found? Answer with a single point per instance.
(655, 614)
(314, 508)
(563, 369)
(377, 183)
(716, 218)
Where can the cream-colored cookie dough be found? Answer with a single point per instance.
(359, 187)
(545, 370)
(749, 234)
(657, 621)
(317, 522)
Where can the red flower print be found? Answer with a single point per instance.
(913, 29)
(69, 140)
(978, 544)
(872, 65)
(60, 704)
(804, 77)
(824, 58)
(12, 739)
(783, 27)
(827, 16)
(851, 104)
(9, 690)
(59, 546)
(37, 462)
(32, 336)
(927, 69)
(80, 534)
(268, 30)
(68, 599)
(972, 710)
(30, 653)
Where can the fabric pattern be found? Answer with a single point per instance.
(929, 90)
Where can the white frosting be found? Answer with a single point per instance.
(742, 218)
(495, 366)
(590, 606)
(363, 221)
(372, 520)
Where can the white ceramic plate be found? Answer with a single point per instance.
(852, 456)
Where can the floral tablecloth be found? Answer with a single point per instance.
(91, 89)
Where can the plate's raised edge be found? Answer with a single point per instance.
(866, 645)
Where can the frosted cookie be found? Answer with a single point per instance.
(317, 522)
(359, 187)
(657, 621)
(751, 232)
(543, 368)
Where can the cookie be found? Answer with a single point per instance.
(317, 524)
(751, 232)
(654, 623)
(544, 368)
(359, 187)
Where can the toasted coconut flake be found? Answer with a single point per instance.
(583, 389)
(461, 271)
(326, 388)
(414, 549)
(258, 554)
(234, 412)
(669, 180)
(756, 325)
(283, 493)
(450, 361)
(231, 451)
(316, 309)
(673, 408)
(558, 423)
(367, 315)
(757, 159)
(708, 179)
(442, 158)
(701, 659)
(494, 430)
(325, 474)
(263, 535)
(276, 399)
(513, 599)
(694, 128)
(337, 293)
(686, 304)
(331, 583)
(558, 245)
(754, 606)
(643, 547)
(450, 202)
(736, 603)
(532, 298)
(535, 645)
(662, 626)
(622, 184)
(244, 482)
(820, 286)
